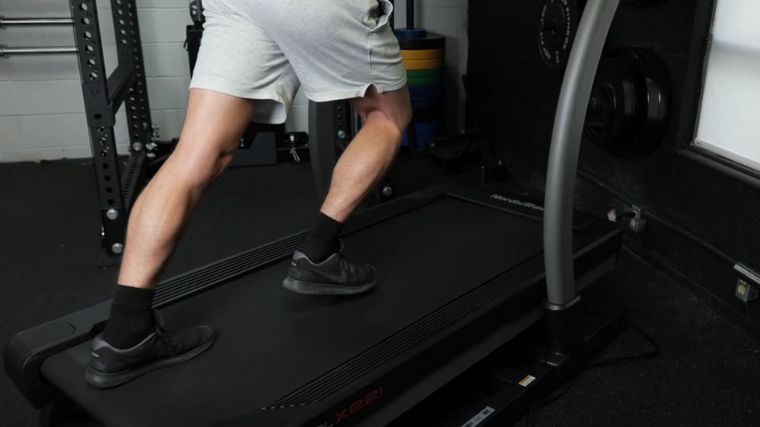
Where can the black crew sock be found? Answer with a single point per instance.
(131, 317)
(322, 240)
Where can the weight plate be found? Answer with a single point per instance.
(629, 108)
(432, 41)
(411, 33)
(423, 64)
(558, 23)
(426, 91)
(419, 74)
(422, 54)
(421, 81)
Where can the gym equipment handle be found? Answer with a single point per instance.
(7, 22)
(7, 51)
(574, 97)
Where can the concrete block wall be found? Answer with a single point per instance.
(41, 107)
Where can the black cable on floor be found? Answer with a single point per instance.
(530, 420)
(654, 352)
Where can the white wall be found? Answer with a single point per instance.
(41, 107)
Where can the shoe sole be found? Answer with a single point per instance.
(104, 380)
(312, 288)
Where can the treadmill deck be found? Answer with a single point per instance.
(278, 355)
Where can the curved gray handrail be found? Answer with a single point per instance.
(565, 148)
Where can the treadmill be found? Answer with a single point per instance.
(460, 274)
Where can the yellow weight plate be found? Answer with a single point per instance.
(422, 54)
(423, 64)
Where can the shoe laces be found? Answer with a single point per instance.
(347, 265)
(170, 338)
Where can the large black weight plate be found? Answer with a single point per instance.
(630, 103)
(558, 23)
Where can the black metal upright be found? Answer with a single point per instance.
(331, 131)
(103, 96)
(410, 14)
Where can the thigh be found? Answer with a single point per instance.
(394, 105)
(214, 123)
(210, 136)
(237, 57)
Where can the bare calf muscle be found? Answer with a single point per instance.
(213, 126)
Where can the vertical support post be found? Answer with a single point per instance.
(329, 127)
(562, 297)
(129, 52)
(102, 98)
(101, 121)
(143, 137)
(410, 14)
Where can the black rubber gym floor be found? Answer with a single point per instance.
(707, 372)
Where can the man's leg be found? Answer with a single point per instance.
(370, 154)
(213, 127)
(212, 131)
(359, 169)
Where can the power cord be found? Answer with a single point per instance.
(530, 420)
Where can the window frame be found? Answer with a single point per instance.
(701, 45)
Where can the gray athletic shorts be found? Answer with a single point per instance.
(267, 49)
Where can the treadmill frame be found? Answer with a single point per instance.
(26, 351)
(506, 299)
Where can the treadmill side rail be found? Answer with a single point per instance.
(26, 351)
(529, 209)
(505, 304)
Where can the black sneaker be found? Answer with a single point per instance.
(111, 366)
(334, 276)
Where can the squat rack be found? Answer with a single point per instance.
(118, 185)
(8, 22)
(19, 22)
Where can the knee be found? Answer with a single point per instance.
(217, 163)
(397, 120)
(392, 108)
(223, 160)
(405, 115)
(199, 167)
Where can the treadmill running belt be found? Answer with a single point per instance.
(272, 342)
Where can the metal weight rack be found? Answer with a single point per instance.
(19, 22)
(118, 183)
